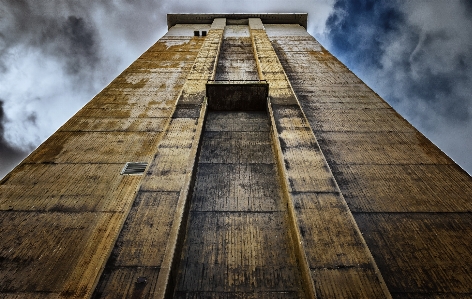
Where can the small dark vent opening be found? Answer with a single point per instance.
(204, 33)
(134, 168)
(196, 33)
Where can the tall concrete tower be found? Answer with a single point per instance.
(236, 158)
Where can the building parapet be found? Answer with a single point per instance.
(238, 18)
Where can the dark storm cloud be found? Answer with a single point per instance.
(78, 44)
(9, 154)
(68, 38)
(418, 56)
(38, 33)
(362, 37)
(358, 28)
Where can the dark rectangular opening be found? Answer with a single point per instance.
(196, 33)
(237, 21)
(204, 33)
(237, 95)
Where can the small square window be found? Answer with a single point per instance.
(196, 33)
(204, 33)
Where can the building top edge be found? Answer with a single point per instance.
(266, 18)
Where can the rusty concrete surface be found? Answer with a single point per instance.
(237, 243)
(236, 85)
(329, 193)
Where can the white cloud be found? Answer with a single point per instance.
(39, 95)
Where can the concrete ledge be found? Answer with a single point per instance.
(266, 18)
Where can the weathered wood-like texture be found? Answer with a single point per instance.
(336, 255)
(62, 208)
(147, 245)
(238, 243)
(412, 203)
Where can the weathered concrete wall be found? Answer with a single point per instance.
(238, 244)
(236, 63)
(62, 208)
(332, 251)
(236, 60)
(345, 174)
(411, 202)
(148, 245)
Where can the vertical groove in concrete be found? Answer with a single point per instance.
(323, 220)
(236, 61)
(192, 95)
(237, 243)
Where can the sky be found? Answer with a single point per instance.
(56, 55)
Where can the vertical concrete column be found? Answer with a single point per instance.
(174, 164)
(332, 251)
(204, 67)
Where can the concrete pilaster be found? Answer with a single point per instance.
(332, 248)
(168, 179)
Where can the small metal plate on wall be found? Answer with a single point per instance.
(134, 168)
